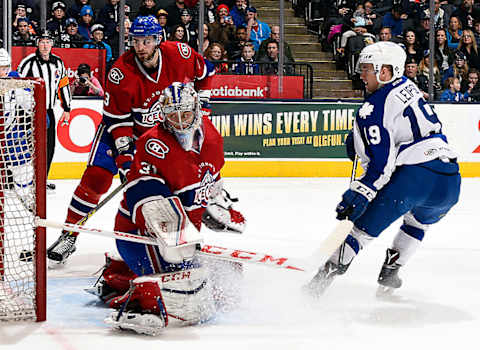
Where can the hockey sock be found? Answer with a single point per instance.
(94, 183)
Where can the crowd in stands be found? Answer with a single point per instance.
(347, 26)
(234, 38)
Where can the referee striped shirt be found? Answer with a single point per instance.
(55, 75)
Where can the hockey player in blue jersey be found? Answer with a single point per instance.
(410, 170)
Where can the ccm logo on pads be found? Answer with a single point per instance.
(156, 148)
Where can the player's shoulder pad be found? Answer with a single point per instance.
(176, 49)
(122, 69)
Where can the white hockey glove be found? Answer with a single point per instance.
(220, 216)
(166, 220)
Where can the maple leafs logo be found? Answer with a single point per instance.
(366, 110)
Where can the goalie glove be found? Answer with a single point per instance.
(125, 149)
(220, 216)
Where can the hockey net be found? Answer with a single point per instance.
(22, 198)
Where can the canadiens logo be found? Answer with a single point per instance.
(156, 148)
(153, 115)
(204, 192)
(115, 75)
(185, 50)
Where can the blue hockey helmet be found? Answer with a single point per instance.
(146, 26)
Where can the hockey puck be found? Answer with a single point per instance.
(26, 256)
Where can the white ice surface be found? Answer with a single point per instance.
(438, 307)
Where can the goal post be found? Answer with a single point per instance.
(23, 178)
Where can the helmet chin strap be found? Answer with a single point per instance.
(381, 82)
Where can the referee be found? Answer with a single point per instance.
(43, 64)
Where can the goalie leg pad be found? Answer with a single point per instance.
(188, 295)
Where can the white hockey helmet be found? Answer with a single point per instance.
(181, 112)
(5, 60)
(384, 53)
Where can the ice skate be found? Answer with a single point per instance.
(61, 249)
(323, 279)
(140, 323)
(388, 279)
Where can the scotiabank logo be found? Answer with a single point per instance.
(235, 91)
(63, 130)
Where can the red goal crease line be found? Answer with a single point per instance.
(325, 250)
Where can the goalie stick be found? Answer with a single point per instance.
(326, 248)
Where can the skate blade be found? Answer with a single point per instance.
(56, 265)
(387, 294)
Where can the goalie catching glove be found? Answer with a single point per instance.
(220, 216)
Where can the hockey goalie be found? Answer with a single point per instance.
(174, 176)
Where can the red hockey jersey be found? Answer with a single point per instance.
(131, 103)
(161, 167)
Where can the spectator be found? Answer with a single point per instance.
(234, 49)
(109, 16)
(178, 34)
(97, 41)
(476, 31)
(246, 64)
(238, 13)
(190, 30)
(257, 31)
(459, 69)
(22, 36)
(440, 16)
(423, 31)
(148, 8)
(269, 63)
(206, 41)
(210, 10)
(466, 14)
(73, 10)
(468, 46)
(71, 37)
(443, 54)
(114, 39)
(394, 20)
(162, 17)
(85, 22)
(452, 91)
(222, 30)
(472, 86)
(385, 34)
(56, 25)
(424, 68)
(454, 32)
(174, 13)
(216, 54)
(374, 21)
(23, 11)
(411, 72)
(275, 36)
(85, 84)
(41, 64)
(412, 46)
(340, 12)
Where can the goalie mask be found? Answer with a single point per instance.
(383, 53)
(181, 111)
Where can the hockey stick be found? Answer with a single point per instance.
(338, 235)
(223, 253)
(101, 204)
